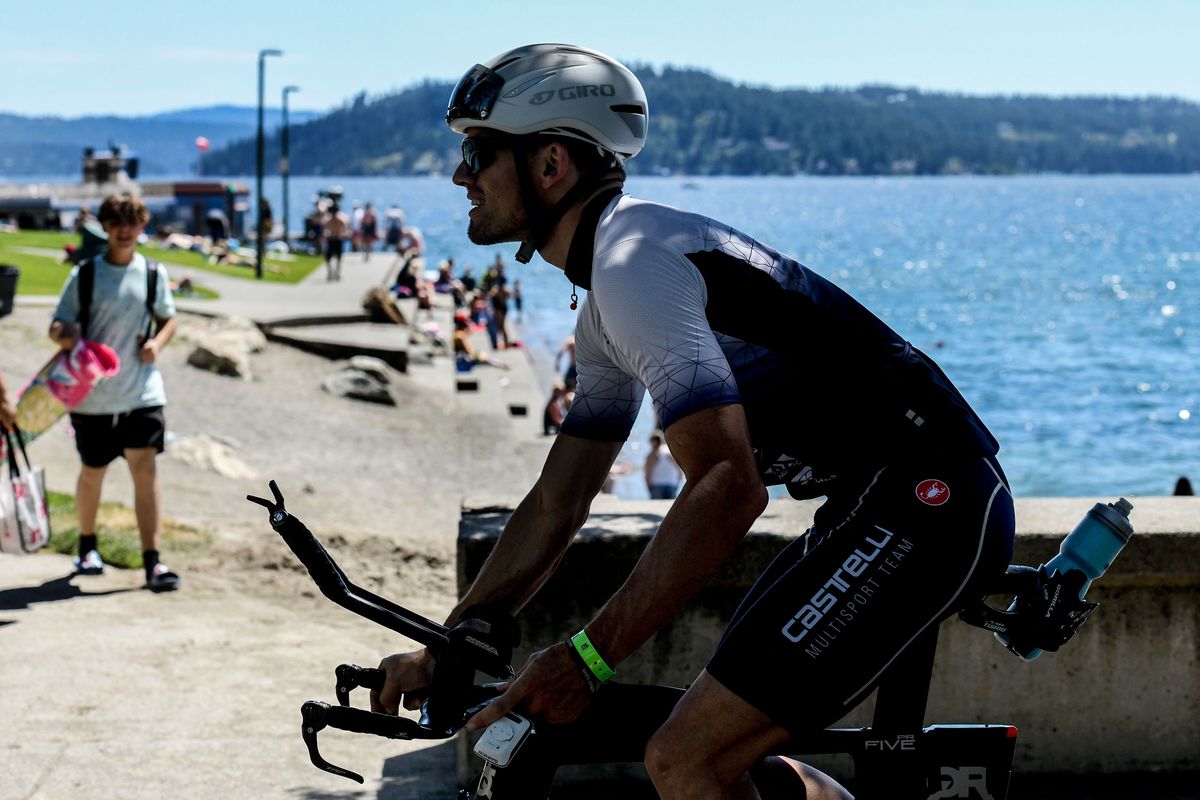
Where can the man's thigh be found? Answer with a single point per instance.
(820, 628)
(716, 728)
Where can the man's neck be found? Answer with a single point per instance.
(556, 248)
(120, 258)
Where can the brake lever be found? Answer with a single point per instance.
(352, 676)
(316, 716)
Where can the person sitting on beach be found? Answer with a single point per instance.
(556, 409)
(406, 281)
(412, 242)
(467, 278)
(465, 354)
(445, 279)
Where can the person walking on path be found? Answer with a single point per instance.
(337, 227)
(662, 473)
(106, 300)
(369, 230)
(762, 372)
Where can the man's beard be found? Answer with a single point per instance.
(484, 229)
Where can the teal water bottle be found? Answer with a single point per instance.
(1090, 550)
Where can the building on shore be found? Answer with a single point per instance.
(183, 206)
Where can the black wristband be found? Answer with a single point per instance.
(588, 678)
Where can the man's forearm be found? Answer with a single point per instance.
(165, 333)
(541, 528)
(529, 549)
(699, 533)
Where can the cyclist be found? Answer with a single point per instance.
(762, 372)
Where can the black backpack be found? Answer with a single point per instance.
(87, 281)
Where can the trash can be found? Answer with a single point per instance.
(8, 288)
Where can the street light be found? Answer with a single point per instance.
(283, 159)
(261, 223)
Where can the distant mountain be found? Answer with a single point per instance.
(165, 142)
(704, 125)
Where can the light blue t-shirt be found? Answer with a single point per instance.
(119, 319)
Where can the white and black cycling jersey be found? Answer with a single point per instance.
(701, 315)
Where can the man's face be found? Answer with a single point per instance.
(497, 214)
(122, 236)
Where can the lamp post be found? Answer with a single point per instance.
(283, 160)
(261, 238)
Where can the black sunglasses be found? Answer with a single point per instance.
(478, 153)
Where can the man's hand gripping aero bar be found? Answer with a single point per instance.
(473, 644)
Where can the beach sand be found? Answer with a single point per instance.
(110, 691)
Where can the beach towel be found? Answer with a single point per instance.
(62, 384)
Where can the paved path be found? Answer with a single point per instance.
(266, 302)
(112, 692)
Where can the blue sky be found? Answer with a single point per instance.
(71, 58)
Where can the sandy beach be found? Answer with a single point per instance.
(111, 691)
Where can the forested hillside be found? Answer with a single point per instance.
(703, 125)
(165, 143)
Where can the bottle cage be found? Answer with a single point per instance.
(1045, 615)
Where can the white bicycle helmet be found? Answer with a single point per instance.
(558, 89)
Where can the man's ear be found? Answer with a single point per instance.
(556, 161)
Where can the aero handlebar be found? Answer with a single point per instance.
(334, 584)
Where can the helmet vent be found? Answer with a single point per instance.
(634, 120)
(527, 85)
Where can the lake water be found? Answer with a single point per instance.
(1064, 308)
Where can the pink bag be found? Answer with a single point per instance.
(74, 375)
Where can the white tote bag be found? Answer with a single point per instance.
(24, 520)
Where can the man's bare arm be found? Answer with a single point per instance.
(528, 551)
(541, 527)
(721, 499)
(154, 345)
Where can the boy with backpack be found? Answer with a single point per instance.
(123, 300)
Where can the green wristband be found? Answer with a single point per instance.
(587, 651)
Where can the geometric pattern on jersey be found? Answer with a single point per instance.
(686, 380)
(605, 406)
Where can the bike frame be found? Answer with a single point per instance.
(895, 757)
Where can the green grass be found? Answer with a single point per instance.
(45, 274)
(116, 533)
(39, 274)
(275, 270)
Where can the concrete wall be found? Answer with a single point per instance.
(1123, 695)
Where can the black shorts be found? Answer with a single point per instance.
(101, 438)
(879, 566)
(334, 248)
